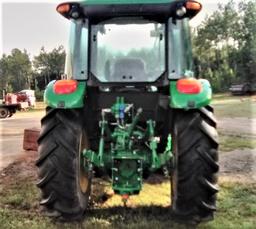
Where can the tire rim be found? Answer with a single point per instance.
(3, 113)
(83, 173)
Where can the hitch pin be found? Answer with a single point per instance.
(125, 198)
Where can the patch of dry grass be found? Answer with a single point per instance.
(229, 143)
(234, 106)
(19, 208)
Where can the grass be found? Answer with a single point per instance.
(19, 209)
(237, 207)
(232, 142)
(40, 106)
(20, 195)
(234, 106)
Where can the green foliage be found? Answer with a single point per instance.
(49, 66)
(225, 45)
(39, 95)
(9, 88)
(17, 74)
(15, 71)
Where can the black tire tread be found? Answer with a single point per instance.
(197, 164)
(57, 163)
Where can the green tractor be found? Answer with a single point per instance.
(128, 106)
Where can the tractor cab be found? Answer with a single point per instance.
(128, 42)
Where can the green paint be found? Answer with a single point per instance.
(124, 158)
(158, 160)
(190, 101)
(121, 2)
(65, 101)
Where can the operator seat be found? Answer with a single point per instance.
(129, 69)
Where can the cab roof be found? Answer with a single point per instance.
(104, 9)
(107, 2)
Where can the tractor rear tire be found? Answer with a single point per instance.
(194, 181)
(64, 182)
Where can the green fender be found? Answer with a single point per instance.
(65, 101)
(190, 101)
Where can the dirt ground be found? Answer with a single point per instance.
(239, 126)
(11, 135)
(235, 165)
(238, 165)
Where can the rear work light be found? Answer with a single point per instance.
(69, 10)
(190, 8)
(193, 5)
(65, 86)
(63, 8)
(189, 86)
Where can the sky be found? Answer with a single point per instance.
(32, 24)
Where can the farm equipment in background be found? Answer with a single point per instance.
(129, 106)
(243, 88)
(12, 102)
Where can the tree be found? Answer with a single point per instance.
(49, 65)
(225, 45)
(247, 59)
(3, 72)
(15, 70)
